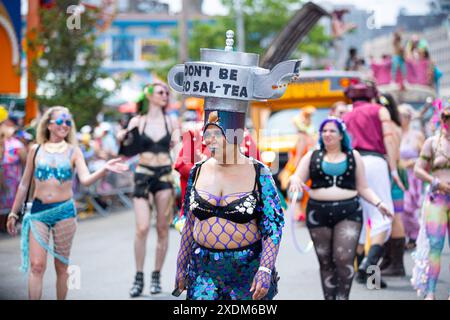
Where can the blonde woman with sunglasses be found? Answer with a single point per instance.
(51, 166)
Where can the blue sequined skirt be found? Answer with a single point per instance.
(225, 274)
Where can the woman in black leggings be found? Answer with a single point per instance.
(334, 215)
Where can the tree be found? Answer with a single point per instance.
(263, 20)
(203, 35)
(68, 68)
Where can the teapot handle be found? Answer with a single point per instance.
(175, 77)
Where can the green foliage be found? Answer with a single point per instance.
(316, 43)
(68, 67)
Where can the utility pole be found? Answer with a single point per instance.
(183, 35)
(183, 29)
(240, 26)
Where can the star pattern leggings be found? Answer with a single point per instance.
(437, 222)
(335, 227)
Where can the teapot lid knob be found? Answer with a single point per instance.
(229, 42)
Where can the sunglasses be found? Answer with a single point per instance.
(162, 92)
(61, 121)
(209, 134)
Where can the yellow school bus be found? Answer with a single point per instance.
(274, 128)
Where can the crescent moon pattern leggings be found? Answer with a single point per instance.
(437, 224)
(335, 227)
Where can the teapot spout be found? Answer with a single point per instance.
(272, 85)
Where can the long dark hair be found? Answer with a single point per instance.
(387, 100)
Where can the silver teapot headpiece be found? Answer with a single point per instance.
(228, 80)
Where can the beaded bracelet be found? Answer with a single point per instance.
(13, 215)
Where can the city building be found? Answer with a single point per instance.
(364, 26)
(439, 42)
(133, 37)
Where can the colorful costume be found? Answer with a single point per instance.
(11, 168)
(225, 248)
(334, 226)
(213, 270)
(193, 144)
(413, 196)
(437, 222)
(364, 127)
(149, 179)
(59, 217)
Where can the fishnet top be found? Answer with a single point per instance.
(218, 232)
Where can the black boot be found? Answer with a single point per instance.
(155, 287)
(387, 256)
(396, 268)
(411, 245)
(374, 255)
(138, 285)
(359, 259)
(360, 276)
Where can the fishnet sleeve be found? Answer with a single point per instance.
(270, 224)
(187, 239)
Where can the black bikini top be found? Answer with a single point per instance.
(242, 210)
(162, 145)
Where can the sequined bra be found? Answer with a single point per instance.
(242, 210)
(54, 165)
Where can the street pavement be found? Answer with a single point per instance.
(103, 254)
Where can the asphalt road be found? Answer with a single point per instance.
(103, 255)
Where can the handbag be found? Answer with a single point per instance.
(26, 206)
(131, 144)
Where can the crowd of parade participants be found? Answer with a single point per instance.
(370, 183)
(374, 180)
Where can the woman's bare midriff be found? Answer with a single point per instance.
(442, 174)
(207, 231)
(333, 193)
(155, 159)
(51, 191)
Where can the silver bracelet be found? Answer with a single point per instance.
(264, 269)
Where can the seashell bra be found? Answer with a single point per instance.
(242, 210)
(54, 165)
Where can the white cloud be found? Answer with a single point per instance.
(386, 11)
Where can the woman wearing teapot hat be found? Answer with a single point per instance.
(234, 220)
